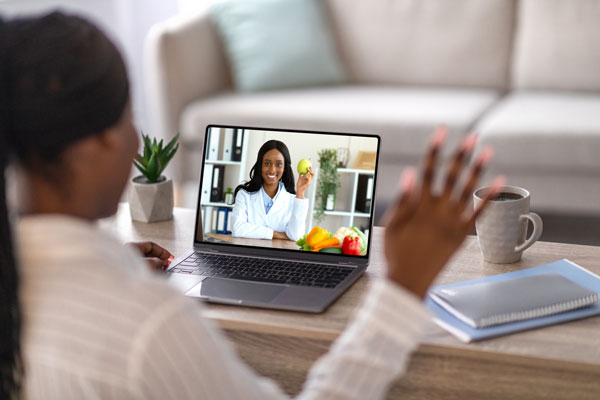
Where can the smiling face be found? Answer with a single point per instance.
(273, 164)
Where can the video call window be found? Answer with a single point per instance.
(252, 192)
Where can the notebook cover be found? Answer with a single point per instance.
(566, 268)
(491, 303)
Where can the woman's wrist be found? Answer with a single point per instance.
(300, 195)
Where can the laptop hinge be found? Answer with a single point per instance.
(206, 249)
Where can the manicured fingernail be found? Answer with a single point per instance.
(440, 134)
(408, 179)
(168, 262)
(485, 156)
(468, 143)
(171, 256)
(497, 184)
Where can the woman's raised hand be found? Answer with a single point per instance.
(424, 228)
(304, 181)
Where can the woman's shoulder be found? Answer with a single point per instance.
(244, 194)
(89, 265)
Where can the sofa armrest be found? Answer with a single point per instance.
(184, 61)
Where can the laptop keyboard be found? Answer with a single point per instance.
(263, 270)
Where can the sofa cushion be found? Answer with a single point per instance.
(557, 45)
(425, 42)
(544, 131)
(275, 44)
(404, 117)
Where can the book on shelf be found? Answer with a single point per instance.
(238, 141)
(229, 224)
(515, 301)
(364, 193)
(207, 175)
(216, 192)
(214, 137)
(223, 220)
(213, 219)
(228, 145)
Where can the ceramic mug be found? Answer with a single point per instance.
(502, 227)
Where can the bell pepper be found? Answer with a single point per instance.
(351, 245)
(363, 239)
(326, 243)
(316, 235)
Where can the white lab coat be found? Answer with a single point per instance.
(288, 214)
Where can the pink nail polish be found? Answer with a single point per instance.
(439, 136)
(408, 179)
(498, 184)
(486, 155)
(468, 143)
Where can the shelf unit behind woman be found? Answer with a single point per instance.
(234, 173)
(347, 215)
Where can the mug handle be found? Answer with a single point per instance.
(538, 226)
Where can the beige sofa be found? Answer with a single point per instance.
(524, 74)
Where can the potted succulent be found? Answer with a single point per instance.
(151, 194)
(328, 182)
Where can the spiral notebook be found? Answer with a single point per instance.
(491, 303)
(536, 315)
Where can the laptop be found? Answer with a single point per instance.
(235, 259)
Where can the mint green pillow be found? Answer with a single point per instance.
(277, 44)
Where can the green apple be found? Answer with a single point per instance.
(303, 166)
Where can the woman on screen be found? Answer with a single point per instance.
(268, 206)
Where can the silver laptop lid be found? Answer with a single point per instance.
(249, 190)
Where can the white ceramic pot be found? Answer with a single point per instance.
(150, 202)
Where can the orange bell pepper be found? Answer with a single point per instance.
(316, 235)
(333, 242)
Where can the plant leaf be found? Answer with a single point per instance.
(155, 158)
(171, 143)
(152, 169)
(139, 166)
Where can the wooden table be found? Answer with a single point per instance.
(557, 362)
(275, 243)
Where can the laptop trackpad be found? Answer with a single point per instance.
(239, 290)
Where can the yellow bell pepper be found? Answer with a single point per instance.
(316, 235)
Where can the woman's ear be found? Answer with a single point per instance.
(110, 139)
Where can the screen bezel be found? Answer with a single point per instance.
(272, 252)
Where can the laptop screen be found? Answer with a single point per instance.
(285, 189)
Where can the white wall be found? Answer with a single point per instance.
(307, 146)
(125, 21)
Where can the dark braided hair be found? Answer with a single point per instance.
(256, 179)
(61, 79)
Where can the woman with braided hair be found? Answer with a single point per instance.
(81, 316)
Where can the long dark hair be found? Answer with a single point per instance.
(61, 79)
(256, 179)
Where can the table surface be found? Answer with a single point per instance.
(275, 243)
(574, 342)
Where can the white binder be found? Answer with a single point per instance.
(206, 218)
(229, 223)
(227, 145)
(370, 189)
(213, 144)
(206, 183)
(213, 222)
(221, 216)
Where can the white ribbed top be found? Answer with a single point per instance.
(98, 324)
